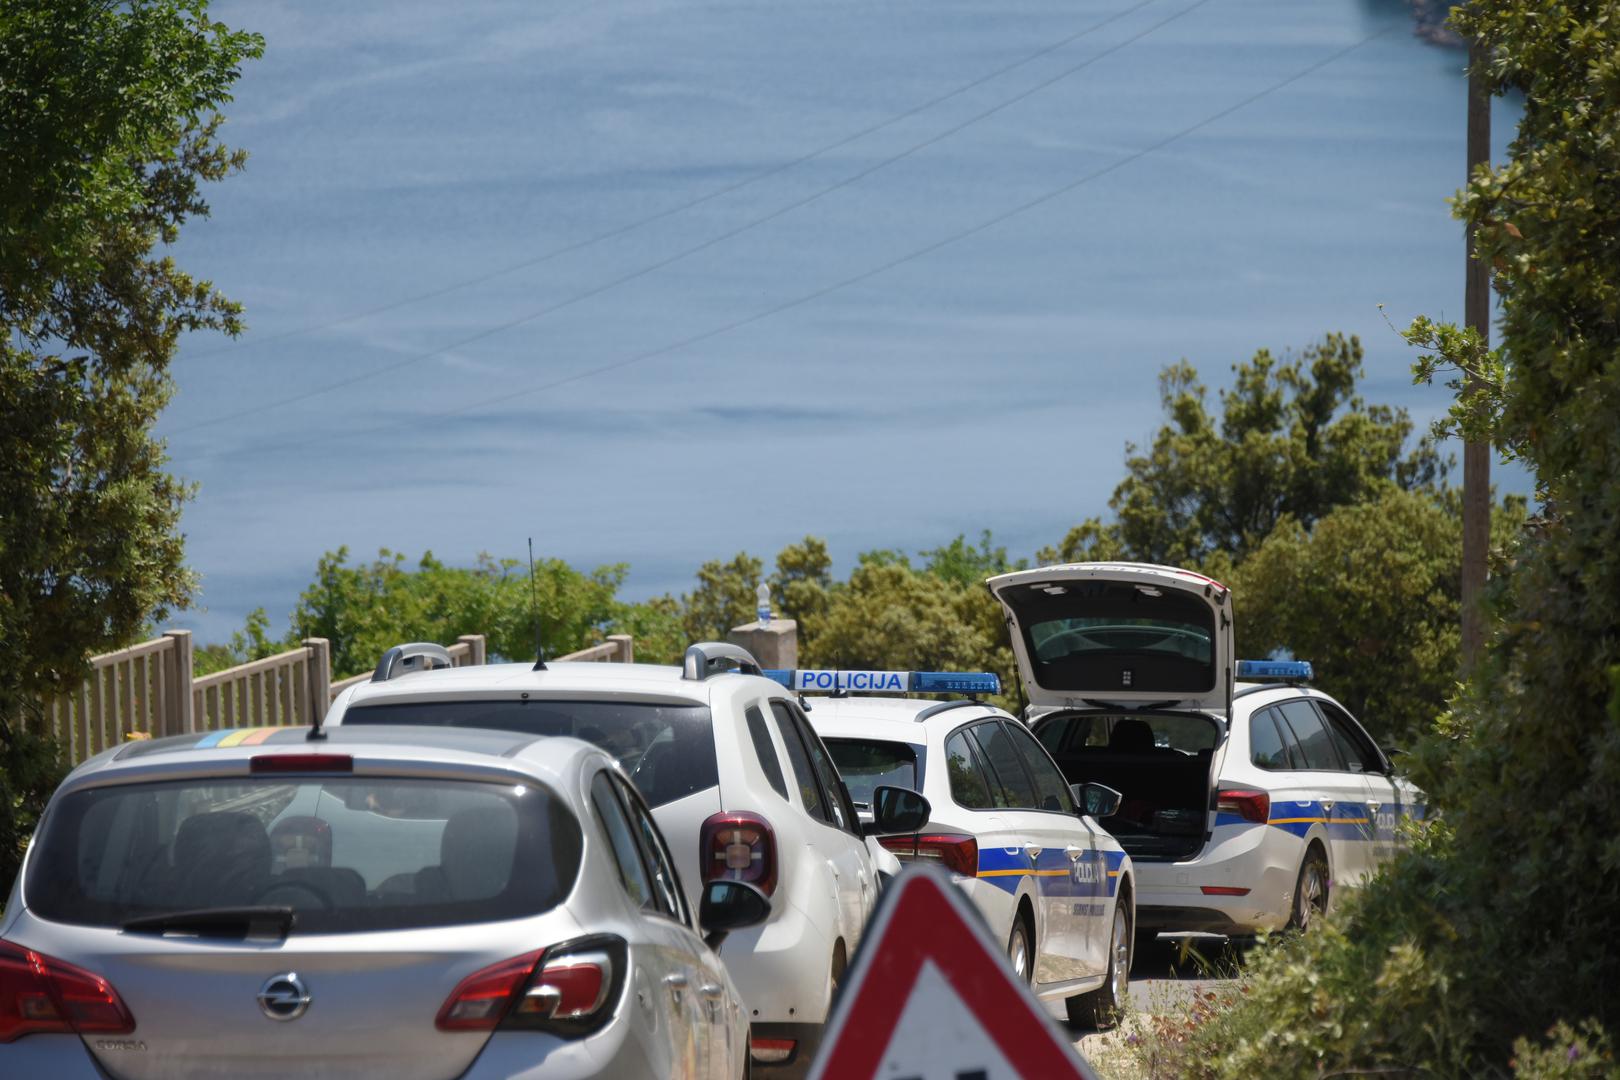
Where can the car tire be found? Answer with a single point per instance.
(1103, 1007)
(1310, 891)
(1021, 951)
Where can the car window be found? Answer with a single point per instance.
(666, 886)
(1007, 774)
(1354, 745)
(1132, 636)
(1266, 746)
(667, 750)
(804, 774)
(765, 750)
(632, 871)
(867, 764)
(1315, 744)
(347, 854)
(832, 785)
(968, 786)
(1054, 734)
(1051, 790)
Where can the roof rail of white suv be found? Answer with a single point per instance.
(412, 656)
(708, 658)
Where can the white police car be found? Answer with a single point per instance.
(1047, 877)
(1244, 804)
(736, 780)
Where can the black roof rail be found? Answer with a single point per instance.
(946, 706)
(708, 658)
(412, 656)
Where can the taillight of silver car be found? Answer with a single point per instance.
(568, 990)
(42, 995)
(738, 847)
(1247, 804)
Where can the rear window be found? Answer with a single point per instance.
(867, 764)
(1130, 637)
(668, 750)
(349, 854)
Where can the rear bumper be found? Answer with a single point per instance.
(782, 969)
(1170, 896)
(59, 1057)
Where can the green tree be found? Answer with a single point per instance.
(802, 585)
(252, 642)
(725, 597)
(1370, 596)
(1293, 438)
(362, 610)
(1504, 921)
(108, 130)
(961, 562)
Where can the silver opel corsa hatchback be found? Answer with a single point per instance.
(367, 902)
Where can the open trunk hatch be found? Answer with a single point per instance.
(1120, 634)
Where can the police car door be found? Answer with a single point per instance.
(1037, 845)
(1383, 800)
(1082, 889)
(1337, 797)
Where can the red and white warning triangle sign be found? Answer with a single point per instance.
(931, 997)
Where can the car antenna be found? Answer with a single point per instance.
(534, 599)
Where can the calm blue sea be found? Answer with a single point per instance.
(655, 281)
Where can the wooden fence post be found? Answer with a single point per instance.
(627, 647)
(320, 677)
(179, 718)
(475, 648)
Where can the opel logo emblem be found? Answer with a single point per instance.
(284, 997)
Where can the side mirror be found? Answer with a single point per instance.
(897, 810)
(1098, 800)
(728, 906)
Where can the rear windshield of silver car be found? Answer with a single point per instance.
(1100, 636)
(667, 749)
(346, 854)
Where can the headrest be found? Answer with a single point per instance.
(478, 849)
(1132, 737)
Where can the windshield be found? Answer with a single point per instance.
(668, 750)
(1130, 637)
(867, 764)
(347, 854)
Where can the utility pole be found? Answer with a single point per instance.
(1476, 526)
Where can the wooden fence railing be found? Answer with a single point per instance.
(148, 690)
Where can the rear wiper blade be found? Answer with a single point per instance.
(236, 922)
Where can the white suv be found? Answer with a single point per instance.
(737, 780)
(1243, 804)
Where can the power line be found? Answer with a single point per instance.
(687, 253)
(621, 230)
(806, 298)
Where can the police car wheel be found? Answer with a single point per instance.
(1018, 951)
(1103, 1007)
(1310, 891)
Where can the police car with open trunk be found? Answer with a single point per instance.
(1244, 805)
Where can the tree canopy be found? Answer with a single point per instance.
(108, 131)
(1293, 438)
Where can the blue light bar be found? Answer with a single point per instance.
(1289, 670)
(828, 680)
